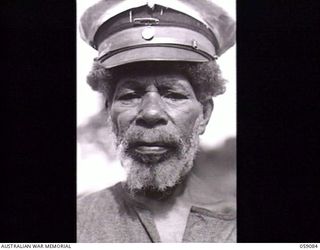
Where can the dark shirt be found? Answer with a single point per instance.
(111, 215)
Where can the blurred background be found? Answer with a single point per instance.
(97, 163)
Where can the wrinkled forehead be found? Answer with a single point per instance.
(159, 79)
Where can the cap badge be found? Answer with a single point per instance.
(148, 33)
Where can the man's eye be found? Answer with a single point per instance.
(175, 96)
(128, 96)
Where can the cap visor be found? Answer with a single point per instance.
(153, 54)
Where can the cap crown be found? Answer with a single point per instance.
(214, 19)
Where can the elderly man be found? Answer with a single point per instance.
(157, 71)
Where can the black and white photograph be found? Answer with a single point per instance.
(156, 121)
(160, 121)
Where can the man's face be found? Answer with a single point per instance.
(157, 120)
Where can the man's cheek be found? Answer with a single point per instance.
(188, 120)
(122, 121)
(114, 120)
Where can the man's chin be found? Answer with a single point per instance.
(158, 165)
(154, 176)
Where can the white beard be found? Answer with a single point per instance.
(162, 175)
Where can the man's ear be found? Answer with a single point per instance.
(207, 111)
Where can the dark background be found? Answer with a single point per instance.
(278, 103)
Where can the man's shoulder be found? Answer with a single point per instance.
(104, 216)
(107, 199)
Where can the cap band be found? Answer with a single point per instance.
(163, 37)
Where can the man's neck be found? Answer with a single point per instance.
(170, 211)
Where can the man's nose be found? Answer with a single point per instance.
(151, 112)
